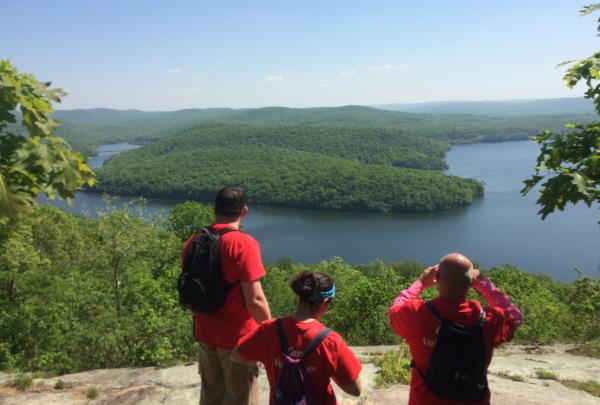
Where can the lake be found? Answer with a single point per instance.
(501, 227)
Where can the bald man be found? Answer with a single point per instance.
(450, 338)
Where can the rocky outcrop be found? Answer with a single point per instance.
(513, 380)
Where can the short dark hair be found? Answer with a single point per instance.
(230, 202)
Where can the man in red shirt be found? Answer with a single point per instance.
(225, 382)
(415, 322)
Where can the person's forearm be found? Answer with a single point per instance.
(497, 298)
(259, 309)
(255, 301)
(410, 293)
(394, 314)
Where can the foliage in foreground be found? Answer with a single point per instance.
(589, 386)
(78, 294)
(91, 392)
(591, 348)
(187, 217)
(394, 367)
(22, 381)
(570, 161)
(34, 161)
(546, 375)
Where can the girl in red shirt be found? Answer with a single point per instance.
(332, 359)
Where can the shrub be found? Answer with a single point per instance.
(541, 300)
(22, 381)
(546, 375)
(593, 348)
(589, 386)
(394, 367)
(187, 217)
(514, 377)
(92, 392)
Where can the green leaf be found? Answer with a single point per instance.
(589, 9)
(38, 161)
(584, 186)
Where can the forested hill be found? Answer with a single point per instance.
(320, 167)
(86, 129)
(371, 145)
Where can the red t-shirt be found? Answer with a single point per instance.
(240, 261)
(416, 323)
(331, 359)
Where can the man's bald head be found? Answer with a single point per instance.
(455, 272)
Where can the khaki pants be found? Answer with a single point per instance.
(225, 382)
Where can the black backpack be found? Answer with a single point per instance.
(457, 368)
(201, 285)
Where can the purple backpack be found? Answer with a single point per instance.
(293, 386)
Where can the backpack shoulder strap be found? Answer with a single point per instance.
(226, 230)
(281, 334)
(213, 234)
(435, 312)
(316, 342)
(206, 230)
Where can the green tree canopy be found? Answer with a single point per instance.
(570, 162)
(31, 159)
(185, 218)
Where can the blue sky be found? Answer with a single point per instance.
(166, 55)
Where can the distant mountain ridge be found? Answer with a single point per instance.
(86, 129)
(555, 106)
(552, 106)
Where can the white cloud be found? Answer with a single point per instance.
(347, 73)
(274, 78)
(174, 71)
(195, 89)
(387, 66)
(199, 77)
(324, 85)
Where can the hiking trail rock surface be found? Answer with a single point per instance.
(181, 384)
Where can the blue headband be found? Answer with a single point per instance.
(323, 295)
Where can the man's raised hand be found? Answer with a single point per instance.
(476, 276)
(428, 277)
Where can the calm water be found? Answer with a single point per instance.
(502, 227)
